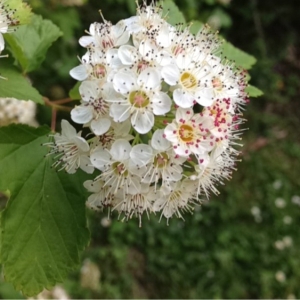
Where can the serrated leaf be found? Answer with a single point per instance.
(43, 226)
(30, 42)
(174, 15)
(74, 92)
(241, 58)
(253, 91)
(16, 85)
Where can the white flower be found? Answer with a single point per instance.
(116, 131)
(190, 134)
(105, 35)
(114, 164)
(135, 204)
(174, 199)
(100, 197)
(164, 164)
(72, 150)
(93, 110)
(139, 98)
(189, 79)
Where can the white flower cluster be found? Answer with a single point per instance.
(163, 111)
(17, 111)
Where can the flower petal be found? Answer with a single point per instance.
(128, 54)
(125, 81)
(82, 114)
(142, 122)
(120, 112)
(149, 79)
(85, 164)
(170, 74)
(67, 129)
(159, 142)
(183, 98)
(161, 103)
(80, 72)
(100, 126)
(100, 158)
(120, 150)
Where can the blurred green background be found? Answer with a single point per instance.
(244, 243)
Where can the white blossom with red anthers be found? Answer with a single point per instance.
(190, 133)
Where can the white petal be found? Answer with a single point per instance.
(80, 72)
(128, 54)
(205, 97)
(89, 90)
(2, 43)
(183, 61)
(141, 154)
(109, 93)
(182, 150)
(85, 164)
(100, 126)
(184, 114)
(67, 129)
(164, 58)
(170, 74)
(113, 59)
(125, 81)
(142, 122)
(149, 79)
(171, 133)
(81, 143)
(135, 186)
(93, 186)
(162, 38)
(82, 114)
(159, 142)
(120, 150)
(100, 158)
(120, 33)
(161, 103)
(120, 112)
(86, 40)
(148, 49)
(183, 98)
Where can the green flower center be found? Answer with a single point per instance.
(139, 99)
(119, 168)
(161, 160)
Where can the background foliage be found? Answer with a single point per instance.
(229, 248)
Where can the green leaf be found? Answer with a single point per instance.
(253, 91)
(74, 92)
(16, 85)
(241, 58)
(30, 42)
(44, 224)
(195, 27)
(170, 9)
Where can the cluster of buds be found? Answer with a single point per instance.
(163, 111)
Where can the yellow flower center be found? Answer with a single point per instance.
(186, 133)
(188, 80)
